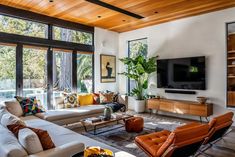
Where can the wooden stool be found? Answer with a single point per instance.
(134, 124)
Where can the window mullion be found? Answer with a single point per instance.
(19, 70)
(74, 71)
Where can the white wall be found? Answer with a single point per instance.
(106, 42)
(202, 35)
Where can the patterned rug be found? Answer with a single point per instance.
(123, 140)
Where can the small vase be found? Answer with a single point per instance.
(107, 113)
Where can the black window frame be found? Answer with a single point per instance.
(49, 43)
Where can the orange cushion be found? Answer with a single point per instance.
(85, 99)
(152, 142)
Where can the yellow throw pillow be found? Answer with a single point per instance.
(85, 99)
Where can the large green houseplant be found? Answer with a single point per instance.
(139, 69)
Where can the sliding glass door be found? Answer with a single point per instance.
(62, 73)
(35, 73)
(7, 72)
(84, 73)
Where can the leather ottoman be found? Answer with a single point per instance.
(134, 124)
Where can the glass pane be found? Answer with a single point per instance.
(137, 47)
(34, 74)
(22, 27)
(69, 35)
(7, 72)
(84, 73)
(62, 73)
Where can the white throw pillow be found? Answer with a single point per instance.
(8, 119)
(30, 141)
(14, 108)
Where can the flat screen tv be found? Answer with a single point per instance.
(181, 73)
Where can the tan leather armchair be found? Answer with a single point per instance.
(182, 142)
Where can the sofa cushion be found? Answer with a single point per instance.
(54, 115)
(85, 99)
(43, 135)
(71, 101)
(8, 119)
(14, 108)
(30, 141)
(106, 97)
(29, 105)
(9, 145)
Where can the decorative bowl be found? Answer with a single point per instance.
(201, 99)
(97, 152)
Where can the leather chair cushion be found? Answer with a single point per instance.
(152, 142)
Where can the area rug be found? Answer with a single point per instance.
(123, 140)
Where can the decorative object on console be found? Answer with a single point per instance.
(139, 69)
(107, 68)
(201, 99)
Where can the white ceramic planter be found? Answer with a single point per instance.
(139, 106)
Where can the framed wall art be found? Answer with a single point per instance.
(107, 68)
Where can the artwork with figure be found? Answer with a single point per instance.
(108, 68)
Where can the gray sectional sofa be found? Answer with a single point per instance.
(67, 142)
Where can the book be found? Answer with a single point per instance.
(93, 120)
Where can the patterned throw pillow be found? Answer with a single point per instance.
(70, 100)
(96, 98)
(115, 97)
(106, 97)
(29, 105)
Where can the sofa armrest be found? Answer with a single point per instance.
(123, 99)
(66, 150)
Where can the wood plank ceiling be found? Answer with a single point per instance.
(153, 11)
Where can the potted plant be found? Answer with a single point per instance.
(139, 69)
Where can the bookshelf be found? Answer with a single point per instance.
(231, 70)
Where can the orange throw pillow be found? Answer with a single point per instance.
(43, 135)
(85, 100)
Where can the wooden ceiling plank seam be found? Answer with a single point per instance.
(168, 14)
(180, 16)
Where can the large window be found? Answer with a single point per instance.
(62, 72)
(34, 73)
(84, 73)
(48, 64)
(7, 72)
(70, 35)
(135, 48)
(22, 27)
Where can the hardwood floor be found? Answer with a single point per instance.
(224, 147)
